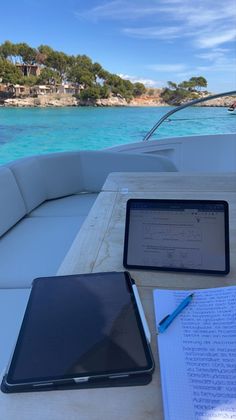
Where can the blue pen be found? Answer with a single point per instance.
(165, 322)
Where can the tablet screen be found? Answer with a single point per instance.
(179, 235)
(80, 326)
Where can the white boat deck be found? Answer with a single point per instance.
(201, 154)
(99, 247)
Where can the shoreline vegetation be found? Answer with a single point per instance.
(68, 100)
(43, 77)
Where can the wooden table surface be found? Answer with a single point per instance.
(170, 181)
(99, 247)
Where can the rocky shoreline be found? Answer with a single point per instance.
(67, 100)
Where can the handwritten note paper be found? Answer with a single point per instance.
(198, 354)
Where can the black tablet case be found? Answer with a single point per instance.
(131, 380)
(135, 380)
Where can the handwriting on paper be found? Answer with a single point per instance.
(209, 348)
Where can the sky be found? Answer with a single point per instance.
(148, 41)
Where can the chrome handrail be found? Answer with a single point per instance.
(178, 108)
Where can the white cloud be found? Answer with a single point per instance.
(223, 67)
(214, 40)
(219, 59)
(214, 54)
(120, 10)
(146, 82)
(205, 23)
(201, 13)
(170, 32)
(194, 13)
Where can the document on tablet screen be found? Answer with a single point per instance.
(185, 235)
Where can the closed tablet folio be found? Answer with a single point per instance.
(78, 332)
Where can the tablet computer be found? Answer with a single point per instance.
(177, 235)
(80, 331)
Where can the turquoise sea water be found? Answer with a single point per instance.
(26, 131)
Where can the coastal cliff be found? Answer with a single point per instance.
(63, 100)
(43, 101)
(67, 100)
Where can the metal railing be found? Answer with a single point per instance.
(178, 108)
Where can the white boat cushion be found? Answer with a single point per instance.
(12, 307)
(74, 205)
(30, 180)
(62, 174)
(96, 166)
(35, 247)
(12, 207)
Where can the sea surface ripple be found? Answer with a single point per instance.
(30, 131)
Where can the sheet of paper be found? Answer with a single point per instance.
(198, 354)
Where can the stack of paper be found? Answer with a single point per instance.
(198, 354)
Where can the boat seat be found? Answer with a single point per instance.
(12, 206)
(35, 247)
(44, 202)
(12, 307)
(71, 206)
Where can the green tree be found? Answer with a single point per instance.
(30, 80)
(176, 93)
(174, 97)
(45, 50)
(26, 53)
(59, 62)
(81, 71)
(9, 73)
(58, 66)
(186, 84)
(104, 75)
(104, 92)
(8, 51)
(81, 76)
(199, 82)
(99, 73)
(84, 63)
(91, 93)
(97, 69)
(119, 86)
(171, 85)
(48, 76)
(138, 89)
(151, 92)
(18, 52)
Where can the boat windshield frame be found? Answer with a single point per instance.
(186, 105)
